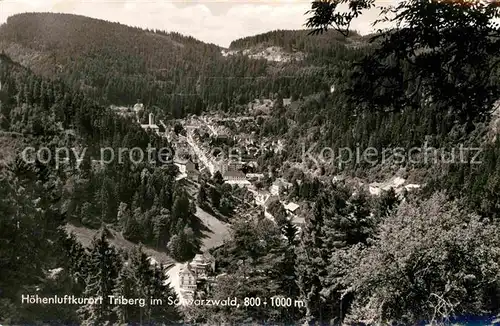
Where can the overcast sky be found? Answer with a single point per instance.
(214, 21)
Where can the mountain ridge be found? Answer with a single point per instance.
(178, 75)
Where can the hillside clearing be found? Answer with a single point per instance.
(85, 235)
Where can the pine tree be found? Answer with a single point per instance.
(202, 195)
(104, 265)
(324, 232)
(163, 313)
(160, 227)
(132, 227)
(85, 166)
(280, 216)
(123, 214)
(289, 230)
(181, 207)
(361, 223)
(215, 197)
(174, 247)
(225, 205)
(143, 274)
(87, 215)
(126, 286)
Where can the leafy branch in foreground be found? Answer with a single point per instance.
(442, 54)
(325, 14)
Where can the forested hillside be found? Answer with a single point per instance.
(117, 64)
(142, 201)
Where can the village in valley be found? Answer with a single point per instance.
(227, 149)
(202, 153)
(211, 147)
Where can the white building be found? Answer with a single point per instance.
(279, 185)
(187, 278)
(376, 188)
(187, 169)
(151, 125)
(263, 198)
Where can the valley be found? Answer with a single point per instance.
(315, 170)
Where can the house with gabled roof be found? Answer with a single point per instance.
(187, 278)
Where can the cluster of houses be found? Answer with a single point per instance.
(234, 176)
(231, 170)
(231, 174)
(215, 130)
